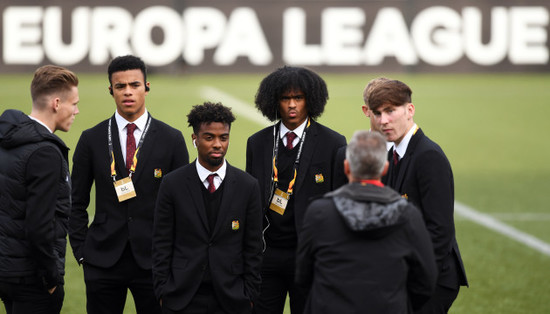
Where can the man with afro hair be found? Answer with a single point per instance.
(293, 161)
(207, 235)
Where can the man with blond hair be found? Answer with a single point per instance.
(35, 192)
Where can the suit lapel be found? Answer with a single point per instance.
(309, 143)
(196, 194)
(120, 163)
(406, 160)
(268, 160)
(230, 189)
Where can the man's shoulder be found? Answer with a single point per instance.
(240, 175)
(426, 146)
(327, 132)
(164, 126)
(261, 134)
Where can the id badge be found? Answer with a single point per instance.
(125, 189)
(279, 201)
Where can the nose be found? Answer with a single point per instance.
(384, 118)
(76, 111)
(217, 143)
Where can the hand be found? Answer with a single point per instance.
(52, 290)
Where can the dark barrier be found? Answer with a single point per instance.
(249, 36)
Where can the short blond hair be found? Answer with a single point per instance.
(49, 79)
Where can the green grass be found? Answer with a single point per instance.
(492, 127)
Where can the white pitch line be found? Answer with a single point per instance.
(249, 112)
(502, 228)
(237, 106)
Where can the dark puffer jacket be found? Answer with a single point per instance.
(34, 201)
(364, 249)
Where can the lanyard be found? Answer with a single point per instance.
(296, 162)
(112, 154)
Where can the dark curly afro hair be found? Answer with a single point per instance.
(209, 112)
(288, 79)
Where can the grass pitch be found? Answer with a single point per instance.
(492, 127)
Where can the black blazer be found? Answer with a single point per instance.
(115, 223)
(425, 178)
(184, 246)
(318, 156)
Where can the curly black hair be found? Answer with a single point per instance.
(125, 63)
(209, 112)
(287, 79)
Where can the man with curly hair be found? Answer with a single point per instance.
(293, 161)
(207, 242)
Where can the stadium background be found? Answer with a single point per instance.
(488, 116)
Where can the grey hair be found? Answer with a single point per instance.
(366, 154)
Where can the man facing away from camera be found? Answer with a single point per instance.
(363, 248)
(421, 173)
(35, 194)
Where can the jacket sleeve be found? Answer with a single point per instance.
(422, 274)
(82, 179)
(252, 250)
(163, 236)
(435, 181)
(304, 253)
(42, 173)
(339, 176)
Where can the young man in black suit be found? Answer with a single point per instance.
(35, 193)
(363, 248)
(290, 169)
(207, 243)
(420, 172)
(126, 156)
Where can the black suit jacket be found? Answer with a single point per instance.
(115, 223)
(184, 246)
(318, 156)
(425, 178)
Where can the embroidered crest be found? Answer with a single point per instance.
(319, 178)
(235, 225)
(158, 173)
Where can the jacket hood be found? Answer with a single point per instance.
(369, 208)
(17, 129)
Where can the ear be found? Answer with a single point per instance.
(410, 110)
(386, 166)
(55, 103)
(366, 110)
(347, 171)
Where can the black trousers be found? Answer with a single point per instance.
(106, 288)
(24, 298)
(277, 280)
(204, 302)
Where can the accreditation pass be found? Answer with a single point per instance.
(125, 189)
(279, 201)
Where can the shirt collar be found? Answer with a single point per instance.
(40, 122)
(139, 122)
(401, 149)
(299, 131)
(203, 172)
